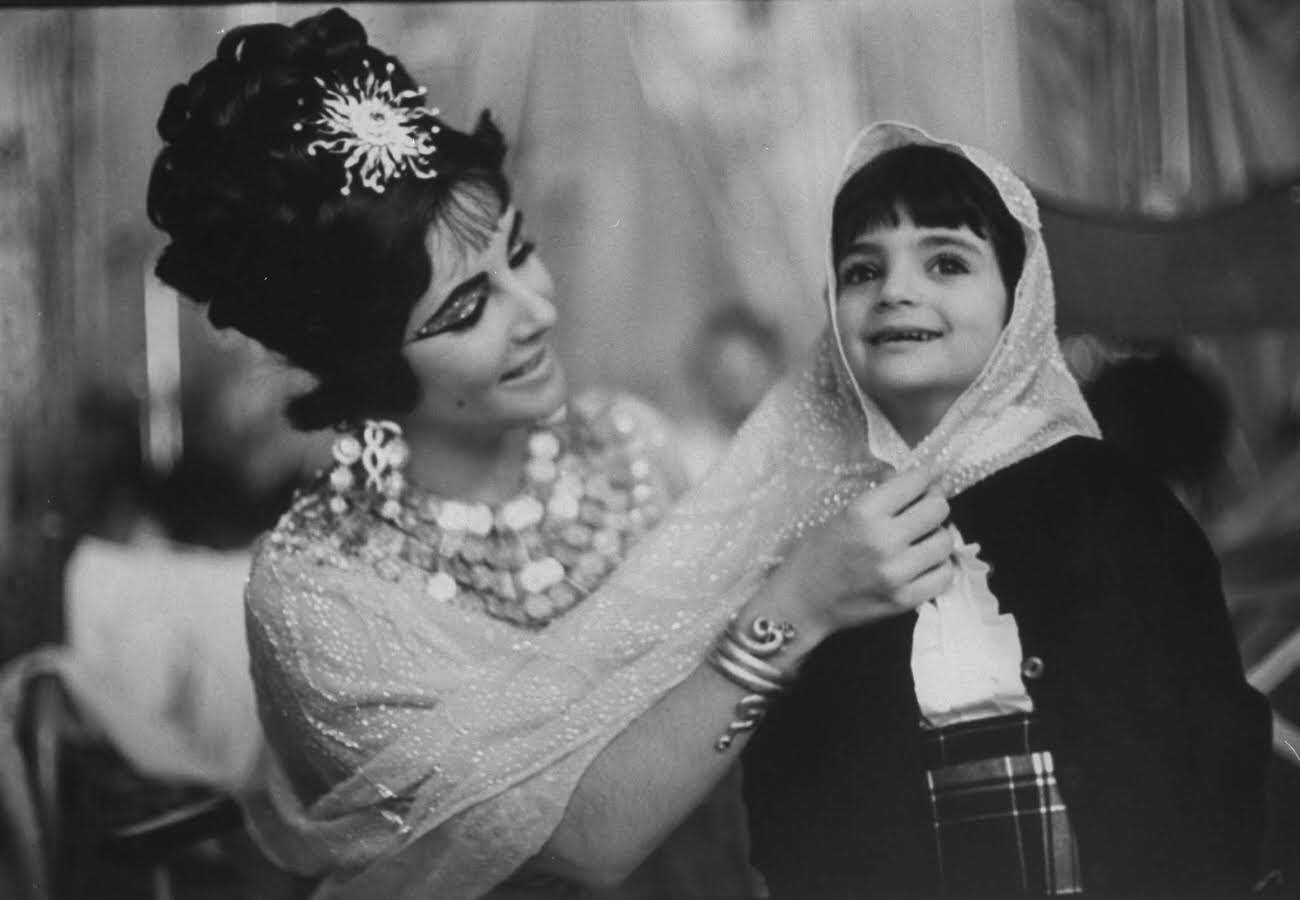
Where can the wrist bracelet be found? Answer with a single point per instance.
(733, 651)
(741, 656)
(747, 679)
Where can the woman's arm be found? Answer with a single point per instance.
(885, 554)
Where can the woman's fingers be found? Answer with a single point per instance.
(888, 552)
(928, 585)
(922, 557)
(897, 513)
(923, 517)
(897, 493)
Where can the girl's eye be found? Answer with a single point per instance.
(520, 253)
(948, 264)
(857, 273)
(460, 316)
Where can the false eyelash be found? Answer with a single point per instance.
(521, 253)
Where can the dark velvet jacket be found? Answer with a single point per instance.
(1160, 746)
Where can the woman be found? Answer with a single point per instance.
(1084, 725)
(459, 696)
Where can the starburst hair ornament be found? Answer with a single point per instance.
(381, 133)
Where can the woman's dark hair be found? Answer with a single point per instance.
(262, 236)
(938, 189)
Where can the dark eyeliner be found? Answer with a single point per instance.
(443, 320)
(520, 254)
(440, 324)
(515, 227)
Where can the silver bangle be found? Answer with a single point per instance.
(728, 647)
(739, 675)
(740, 655)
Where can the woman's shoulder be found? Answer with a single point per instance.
(304, 527)
(317, 541)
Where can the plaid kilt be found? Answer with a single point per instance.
(1000, 824)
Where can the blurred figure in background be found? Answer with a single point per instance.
(159, 710)
(154, 588)
(1171, 417)
(735, 357)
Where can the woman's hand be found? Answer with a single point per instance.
(887, 552)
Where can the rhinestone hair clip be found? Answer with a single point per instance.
(376, 129)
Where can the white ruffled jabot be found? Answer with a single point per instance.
(965, 654)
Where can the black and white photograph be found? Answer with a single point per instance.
(650, 450)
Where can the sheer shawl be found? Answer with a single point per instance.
(463, 750)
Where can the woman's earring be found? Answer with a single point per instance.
(378, 453)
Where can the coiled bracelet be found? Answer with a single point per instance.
(741, 655)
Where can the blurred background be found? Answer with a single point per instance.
(675, 160)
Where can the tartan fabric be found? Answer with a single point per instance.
(1000, 824)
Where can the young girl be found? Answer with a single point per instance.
(1070, 715)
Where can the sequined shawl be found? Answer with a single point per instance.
(454, 753)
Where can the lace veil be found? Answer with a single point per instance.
(490, 746)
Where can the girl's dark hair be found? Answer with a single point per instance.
(938, 189)
(262, 236)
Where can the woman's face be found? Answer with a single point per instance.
(479, 340)
(919, 311)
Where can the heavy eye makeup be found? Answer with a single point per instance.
(519, 249)
(464, 306)
(461, 310)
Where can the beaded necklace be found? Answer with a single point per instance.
(526, 560)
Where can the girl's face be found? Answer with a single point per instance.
(479, 340)
(919, 311)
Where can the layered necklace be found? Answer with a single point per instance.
(527, 560)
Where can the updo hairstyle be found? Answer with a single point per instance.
(261, 235)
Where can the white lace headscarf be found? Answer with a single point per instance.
(498, 731)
